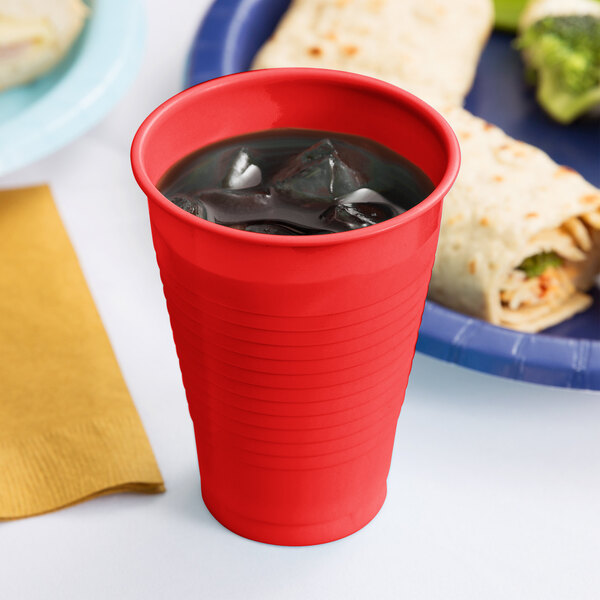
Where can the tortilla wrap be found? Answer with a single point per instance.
(428, 47)
(511, 201)
(35, 35)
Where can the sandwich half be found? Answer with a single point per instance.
(35, 36)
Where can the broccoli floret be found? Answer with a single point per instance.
(535, 265)
(564, 52)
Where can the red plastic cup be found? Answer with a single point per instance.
(295, 351)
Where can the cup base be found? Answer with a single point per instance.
(293, 535)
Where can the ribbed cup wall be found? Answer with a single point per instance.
(295, 375)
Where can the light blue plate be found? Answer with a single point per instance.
(566, 355)
(41, 117)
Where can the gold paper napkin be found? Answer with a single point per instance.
(68, 428)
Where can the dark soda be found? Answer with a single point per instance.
(295, 182)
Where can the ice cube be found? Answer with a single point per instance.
(317, 176)
(190, 204)
(278, 228)
(231, 206)
(243, 173)
(363, 194)
(358, 209)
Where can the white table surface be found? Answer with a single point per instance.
(494, 490)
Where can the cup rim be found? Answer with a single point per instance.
(434, 118)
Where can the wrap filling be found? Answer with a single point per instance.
(555, 276)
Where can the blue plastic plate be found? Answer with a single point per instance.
(41, 117)
(567, 355)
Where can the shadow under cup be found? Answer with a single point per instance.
(295, 351)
